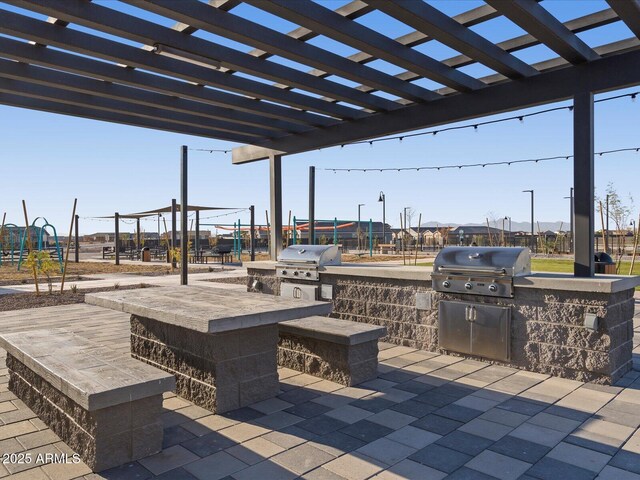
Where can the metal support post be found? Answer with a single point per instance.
(312, 205)
(252, 233)
(184, 217)
(77, 240)
(583, 183)
(275, 177)
(174, 234)
(117, 239)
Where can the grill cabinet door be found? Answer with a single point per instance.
(454, 330)
(475, 328)
(491, 331)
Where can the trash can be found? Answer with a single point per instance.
(604, 263)
(145, 254)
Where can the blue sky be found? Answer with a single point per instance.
(50, 159)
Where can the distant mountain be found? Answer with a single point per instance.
(515, 226)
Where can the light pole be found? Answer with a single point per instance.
(570, 197)
(606, 235)
(382, 199)
(359, 205)
(532, 245)
(509, 236)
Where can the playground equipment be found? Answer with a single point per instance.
(11, 239)
(40, 233)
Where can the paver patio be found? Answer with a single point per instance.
(425, 416)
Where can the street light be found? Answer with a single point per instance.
(384, 220)
(509, 236)
(570, 197)
(359, 205)
(532, 246)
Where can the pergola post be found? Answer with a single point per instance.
(275, 179)
(252, 233)
(138, 236)
(312, 205)
(197, 242)
(583, 184)
(117, 239)
(77, 239)
(174, 235)
(184, 217)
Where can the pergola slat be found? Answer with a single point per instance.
(202, 101)
(49, 106)
(192, 113)
(629, 13)
(132, 28)
(553, 86)
(218, 22)
(126, 26)
(333, 25)
(97, 47)
(429, 20)
(593, 20)
(93, 102)
(533, 18)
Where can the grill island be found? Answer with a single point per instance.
(555, 323)
(221, 345)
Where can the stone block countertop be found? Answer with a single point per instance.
(94, 377)
(208, 310)
(541, 280)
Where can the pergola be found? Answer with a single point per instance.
(191, 84)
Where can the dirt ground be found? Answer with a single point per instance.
(22, 301)
(9, 274)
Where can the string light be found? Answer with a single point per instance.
(485, 164)
(475, 126)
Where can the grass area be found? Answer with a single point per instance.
(561, 265)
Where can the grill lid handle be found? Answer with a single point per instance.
(462, 269)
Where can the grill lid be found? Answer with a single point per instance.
(313, 255)
(489, 261)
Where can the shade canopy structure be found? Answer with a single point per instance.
(181, 82)
(278, 93)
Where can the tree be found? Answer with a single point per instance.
(619, 211)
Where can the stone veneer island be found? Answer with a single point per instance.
(547, 333)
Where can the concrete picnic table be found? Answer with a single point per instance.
(220, 344)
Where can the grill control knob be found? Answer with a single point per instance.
(468, 286)
(295, 274)
(284, 272)
(308, 274)
(446, 284)
(493, 288)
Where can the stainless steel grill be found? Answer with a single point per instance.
(479, 270)
(303, 262)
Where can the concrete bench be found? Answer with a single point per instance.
(338, 350)
(102, 404)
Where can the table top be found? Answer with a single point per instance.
(206, 309)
